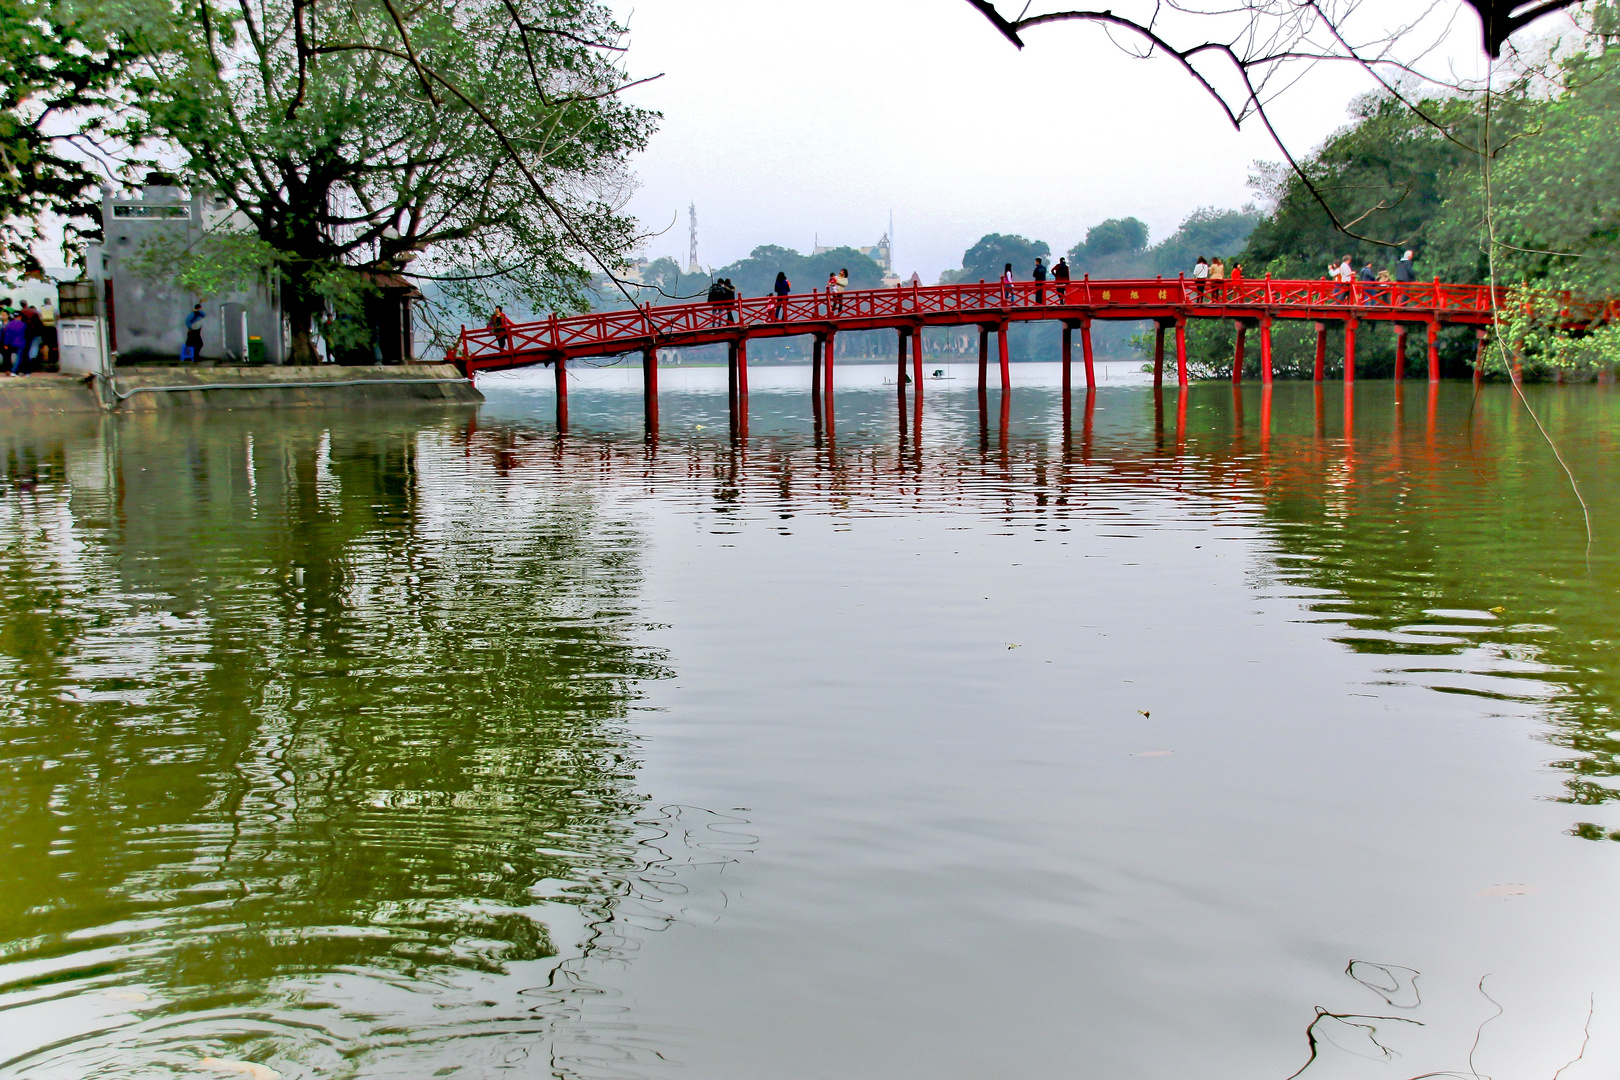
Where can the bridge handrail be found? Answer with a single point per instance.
(625, 329)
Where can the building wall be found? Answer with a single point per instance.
(146, 317)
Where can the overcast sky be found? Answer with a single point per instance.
(787, 120)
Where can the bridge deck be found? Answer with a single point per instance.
(990, 305)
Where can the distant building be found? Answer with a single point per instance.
(146, 319)
(878, 253)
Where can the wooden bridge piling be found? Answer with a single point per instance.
(561, 373)
(649, 387)
(1068, 362)
(827, 351)
(1319, 368)
(900, 372)
(1158, 353)
(1085, 354)
(917, 362)
(1265, 349)
(1181, 351)
(1400, 352)
(1001, 353)
(984, 358)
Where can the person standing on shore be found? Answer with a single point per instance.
(33, 336)
(192, 350)
(47, 318)
(12, 338)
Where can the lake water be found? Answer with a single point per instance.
(427, 742)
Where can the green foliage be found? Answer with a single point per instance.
(63, 75)
(755, 275)
(1208, 232)
(1116, 236)
(374, 137)
(986, 259)
(1392, 173)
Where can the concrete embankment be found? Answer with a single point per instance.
(138, 389)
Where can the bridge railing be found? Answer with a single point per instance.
(627, 329)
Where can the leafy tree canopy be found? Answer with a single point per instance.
(479, 144)
(63, 68)
(755, 275)
(986, 259)
(1206, 232)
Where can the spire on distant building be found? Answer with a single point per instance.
(692, 266)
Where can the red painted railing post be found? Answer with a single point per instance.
(553, 328)
(1268, 294)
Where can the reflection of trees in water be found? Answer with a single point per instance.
(317, 713)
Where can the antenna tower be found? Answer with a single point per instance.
(691, 257)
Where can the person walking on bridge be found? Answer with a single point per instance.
(782, 287)
(1217, 279)
(716, 297)
(498, 322)
(1007, 286)
(1039, 274)
(1060, 278)
(1404, 270)
(1200, 277)
(840, 284)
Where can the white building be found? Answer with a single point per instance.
(145, 318)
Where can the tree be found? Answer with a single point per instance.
(1113, 248)
(62, 71)
(1243, 54)
(755, 275)
(985, 260)
(1206, 232)
(1389, 162)
(478, 142)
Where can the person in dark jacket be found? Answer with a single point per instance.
(1404, 270)
(33, 335)
(1367, 273)
(782, 287)
(192, 351)
(12, 339)
(1060, 277)
(1039, 274)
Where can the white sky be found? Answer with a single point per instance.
(785, 120)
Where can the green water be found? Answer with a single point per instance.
(432, 743)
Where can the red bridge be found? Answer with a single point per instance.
(1170, 303)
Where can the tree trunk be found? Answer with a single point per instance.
(300, 305)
